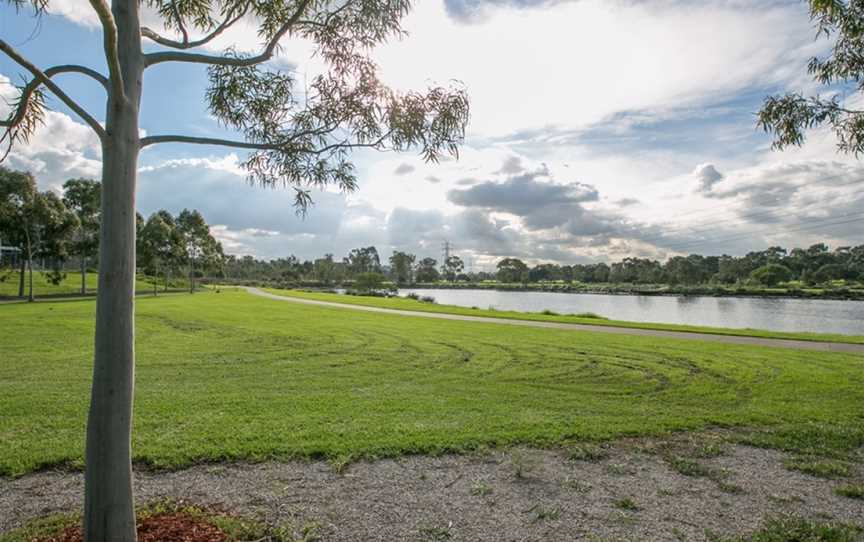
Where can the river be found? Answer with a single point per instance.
(818, 316)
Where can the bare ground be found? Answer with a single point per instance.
(629, 495)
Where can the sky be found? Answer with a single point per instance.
(600, 129)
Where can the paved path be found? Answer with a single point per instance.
(728, 339)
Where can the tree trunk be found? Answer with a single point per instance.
(83, 275)
(191, 279)
(21, 276)
(30, 269)
(109, 513)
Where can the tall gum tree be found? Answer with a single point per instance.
(299, 140)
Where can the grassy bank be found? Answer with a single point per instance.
(71, 284)
(226, 376)
(414, 305)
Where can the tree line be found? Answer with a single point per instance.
(56, 229)
(817, 264)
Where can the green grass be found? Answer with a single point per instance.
(852, 491)
(548, 316)
(793, 529)
(70, 285)
(233, 376)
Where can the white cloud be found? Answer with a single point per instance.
(59, 150)
(576, 63)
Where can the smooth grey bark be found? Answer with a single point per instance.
(108, 505)
(21, 276)
(83, 275)
(29, 262)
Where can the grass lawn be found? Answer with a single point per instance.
(71, 285)
(402, 303)
(225, 376)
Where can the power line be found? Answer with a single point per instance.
(825, 180)
(689, 245)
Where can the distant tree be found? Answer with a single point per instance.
(161, 247)
(368, 282)
(402, 267)
(427, 271)
(771, 274)
(831, 271)
(38, 223)
(202, 250)
(512, 270)
(324, 269)
(17, 195)
(363, 260)
(452, 267)
(789, 116)
(83, 197)
(546, 272)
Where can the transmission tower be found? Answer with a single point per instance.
(446, 247)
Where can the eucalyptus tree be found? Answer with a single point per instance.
(160, 246)
(452, 267)
(402, 267)
(790, 115)
(17, 193)
(82, 196)
(201, 249)
(37, 223)
(300, 139)
(427, 270)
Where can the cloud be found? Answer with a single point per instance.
(218, 188)
(541, 204)
(404, 169)
(511, 166)
(475, 11)
(414, 230)
(626, 202)
(706, 176)
(433, 179)
(573, 64)
(60, 149)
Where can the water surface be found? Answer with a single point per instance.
(818, 316)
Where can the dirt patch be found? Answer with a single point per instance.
(629, 492)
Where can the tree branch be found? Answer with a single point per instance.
(229, 21)
(44, 78)
(112, 55)
(265, 55)
(180, 21)
(153, 140)
(186, 44)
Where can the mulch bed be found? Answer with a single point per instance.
(169, 527)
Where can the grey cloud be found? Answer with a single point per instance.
(627, 202)
(224, 197)
(706, 177)
(433, 179)
(523, 195)
(409, 229)
(404, 169)
(511, 166)
(475, 11)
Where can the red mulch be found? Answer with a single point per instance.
(170, 527)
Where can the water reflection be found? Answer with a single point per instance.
(823, 316)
